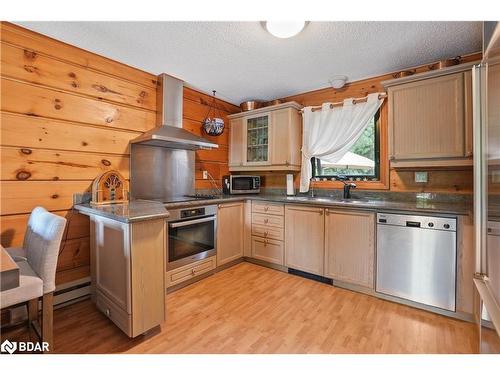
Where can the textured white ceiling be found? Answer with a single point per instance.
(242, 61)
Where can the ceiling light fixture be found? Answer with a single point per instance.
(284, 29)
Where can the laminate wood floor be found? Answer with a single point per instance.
(252, 309)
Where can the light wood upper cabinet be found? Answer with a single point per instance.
(304, 238)
(350, 246)
(430, 119)
(230, 232)
(236, 143)
(286, 138)
(268, 138)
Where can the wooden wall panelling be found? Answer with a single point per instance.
(33, 41)
(74, 253)
(35, 100)
(196, 107)
(35, 132)
(13, 227)
(22, 196)
(40, 164)
(206, 100)
(439, 181)
(29, 66)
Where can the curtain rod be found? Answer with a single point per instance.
(354, 101)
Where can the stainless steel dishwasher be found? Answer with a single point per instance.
(416, 258)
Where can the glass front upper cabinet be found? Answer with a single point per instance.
(257, 140)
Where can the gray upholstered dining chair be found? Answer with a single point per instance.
(37, 261)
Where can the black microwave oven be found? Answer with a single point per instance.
(240, 184)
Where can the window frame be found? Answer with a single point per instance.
(316, 162)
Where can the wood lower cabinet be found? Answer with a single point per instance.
(268, 250)
(430, 119)
(128, 268)
(304, 238)
(268, 220)
(350, 247)
(230, 232)
(190, 271)
(268, 232)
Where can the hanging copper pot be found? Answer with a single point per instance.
(250, 105)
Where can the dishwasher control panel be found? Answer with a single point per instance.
(424, 222)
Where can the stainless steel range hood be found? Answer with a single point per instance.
(169, 132)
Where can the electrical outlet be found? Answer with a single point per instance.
(421, 177)
(205, 175)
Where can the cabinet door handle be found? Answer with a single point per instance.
(266, 208)
(266, 221)
(321, 213)
(265, 234)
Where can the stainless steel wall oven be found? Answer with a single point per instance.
(191, 235)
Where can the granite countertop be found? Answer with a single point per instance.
(140, 210)
(420, 206)
(130, 212)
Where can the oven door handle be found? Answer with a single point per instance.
(191, 222)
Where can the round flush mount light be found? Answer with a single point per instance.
(337, 82)
(284, 29)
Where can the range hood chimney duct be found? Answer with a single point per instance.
(169, 132)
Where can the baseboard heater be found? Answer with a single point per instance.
(310, 276)
(64, 295)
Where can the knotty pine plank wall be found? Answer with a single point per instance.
(440, 180)
(66, 116)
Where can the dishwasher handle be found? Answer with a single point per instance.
(413, 224)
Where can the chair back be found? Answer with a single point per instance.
(42, 242)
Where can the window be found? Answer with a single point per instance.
(362, 162)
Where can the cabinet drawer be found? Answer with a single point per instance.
(268, 232)
(115, 313)
(268, 220)
(268, 208)
(271, 251)
(189, 271)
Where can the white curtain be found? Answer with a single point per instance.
(328, 134)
